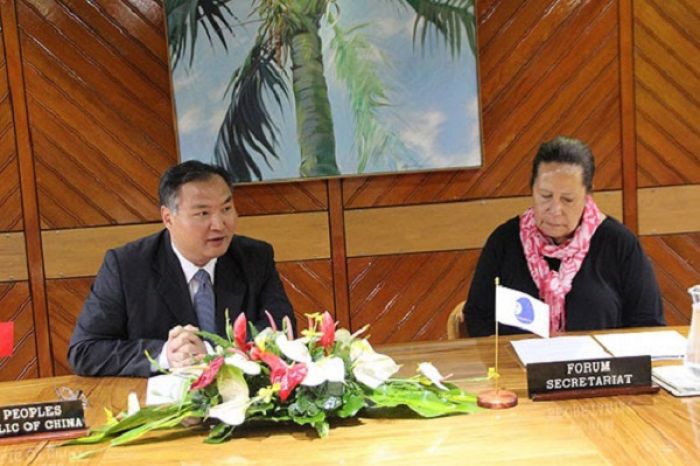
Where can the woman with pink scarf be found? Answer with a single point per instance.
(588, 267)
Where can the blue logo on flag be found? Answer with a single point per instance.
(524, 311)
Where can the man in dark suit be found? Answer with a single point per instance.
(154, 293)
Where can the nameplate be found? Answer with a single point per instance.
(37, 418)
(588, 375)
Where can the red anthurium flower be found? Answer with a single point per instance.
(240, 332)
(288, 377)
(255, 353)
(327, 331)
(209, 374)
(273, 361)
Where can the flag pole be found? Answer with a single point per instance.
(497, 282)
(496, 399)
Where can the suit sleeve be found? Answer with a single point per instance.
(272, 295)
(100, 345)
(642, 305)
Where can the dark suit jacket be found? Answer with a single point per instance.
(140, 293)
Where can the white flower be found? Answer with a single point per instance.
(232, 412)
(358, 348)
(343, 336)
(370, 367)
(333, 368)
(327, 369)
(167, 388)
(295, 350)
(132, 402)
(231, 384)
(431, 372)
(374, 369)
(246, 365)
(235, 395)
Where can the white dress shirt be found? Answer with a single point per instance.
(189, 269)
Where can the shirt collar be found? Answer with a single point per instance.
(190, 269)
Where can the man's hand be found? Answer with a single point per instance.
(184, 346)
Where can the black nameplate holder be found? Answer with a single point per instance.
(590, 378)
(56, 419)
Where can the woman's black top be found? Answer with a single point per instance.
(615, 286)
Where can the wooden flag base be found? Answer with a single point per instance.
(497, 399)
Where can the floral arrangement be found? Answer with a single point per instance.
(327, 373)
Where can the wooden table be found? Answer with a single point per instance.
(626, 430)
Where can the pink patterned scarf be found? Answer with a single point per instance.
(554, 285)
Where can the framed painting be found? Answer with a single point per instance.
(289, 89)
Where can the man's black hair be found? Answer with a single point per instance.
(186, 172)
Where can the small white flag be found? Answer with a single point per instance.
(522, 310)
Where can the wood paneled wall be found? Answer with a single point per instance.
(667, 82)
(10, 199)
(86, 127)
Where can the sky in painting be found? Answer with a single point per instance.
(433, 109)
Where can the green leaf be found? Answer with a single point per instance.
(303, 406)
(259, 408)
(229, 328)
(333, 388)
(317, 418)
(248, 128)
(184, 17)
(269, 418)
(143, 417)
(352, 403)
(253, 330)
(154, 363)
(425, 401)
(214, 338)
(322, 428)
(447, 18)
(96, 437)
(163, 423)
(220, 434)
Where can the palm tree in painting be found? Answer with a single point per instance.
(287, 55)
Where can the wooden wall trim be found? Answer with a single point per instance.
(12, 257)
(669, 210)
(628, 134)
(60, 246)
(338, 252)
(440, 227)
(294, 237)
(30, 207)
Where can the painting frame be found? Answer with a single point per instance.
(289, 77)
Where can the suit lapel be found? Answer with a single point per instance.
(172, 286)
(229, 288)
